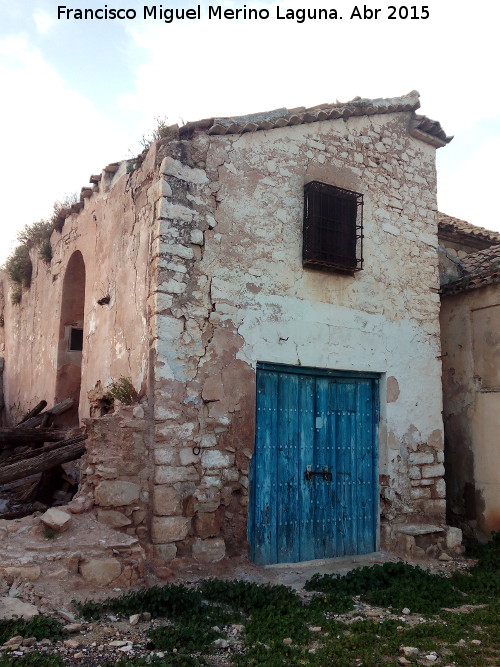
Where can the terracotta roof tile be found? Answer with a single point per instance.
(451, 226)
(422, 128)
(481, 268)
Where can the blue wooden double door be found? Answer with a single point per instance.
(314, 479)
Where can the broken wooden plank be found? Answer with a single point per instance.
(31, 453)
(32, 413)
(42, 462)
(57, 409)
(16, 437)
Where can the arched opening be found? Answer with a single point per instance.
(71, 338)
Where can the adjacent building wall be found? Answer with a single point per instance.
(232, 291)
(113, 235)
(470, 325)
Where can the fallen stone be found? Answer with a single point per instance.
(101, 571)
(287, 641)
(146, 616)
(14, 641)
(476, 642)
(134, 619)
(453, 537)
(56, 519)
(29, 641)
(78, 656)
(431, 657)
(80, 505)
(221, 643)
(73, 627)
(315, 628)
(403, 661)
(117, 643)
(72, 643)
(11, 607)
(29, 572)
(405, 611)
(113, 518)
(408, 650)
(445, 557)
(209, 551)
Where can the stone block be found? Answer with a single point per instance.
(209, 551)
(414, 472)
(214, 458)
(26, 572)
(187, 457)
(183, 172)
(421, 458)
(436, 470)
(113, 518)
(440, 489)
(433, 506)
(165, 209)
(56, 519)
(166, 501)
(172, 474)
(138, 412)
(165, 552)
(14, 608)
(166, 455)
(167, 529)
(101, 571)
(116, 493)
(197, 237)
(453, 537)
(206, 524)
(420, 492)
(208, 440)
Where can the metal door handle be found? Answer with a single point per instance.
(325, 474)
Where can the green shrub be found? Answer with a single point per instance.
(41, 627)
(123, 390)
(395, 585)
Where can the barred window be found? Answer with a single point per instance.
(333, 228)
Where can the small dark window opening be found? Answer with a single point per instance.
(333, 228)
(76, 339)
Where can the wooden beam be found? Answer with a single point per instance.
(15, 437)
(31, 453)
(42, 462)
(33, 413)
(57, 409)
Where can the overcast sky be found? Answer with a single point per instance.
(79, 94)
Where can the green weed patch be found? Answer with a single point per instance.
(41, 627)
(395, 585)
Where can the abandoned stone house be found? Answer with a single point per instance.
(269, 284)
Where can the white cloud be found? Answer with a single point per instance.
(52, 138)
(43, 20)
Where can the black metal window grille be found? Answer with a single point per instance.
(76, 339)
(333, 228)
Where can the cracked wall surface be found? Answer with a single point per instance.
(232, 291)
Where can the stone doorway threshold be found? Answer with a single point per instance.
(293, 575)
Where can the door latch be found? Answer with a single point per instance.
(325, 474)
